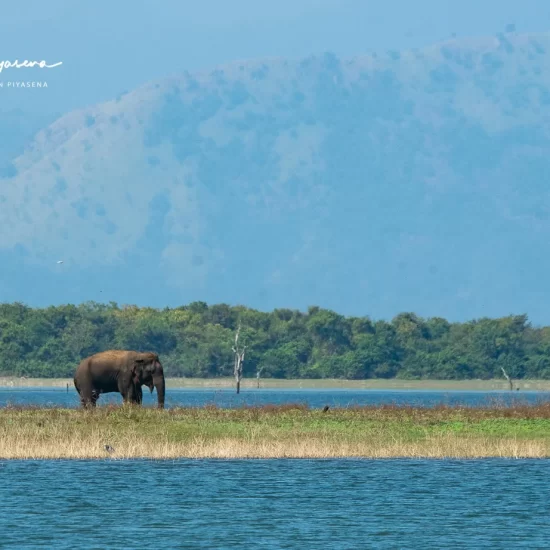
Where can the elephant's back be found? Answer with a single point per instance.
(110, 355)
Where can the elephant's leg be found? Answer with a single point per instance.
(133, 395)
(95, 397)
(124, 390)
(139, 394)
(87, 397)
(127, 395)
(81, 395)
(88, 394)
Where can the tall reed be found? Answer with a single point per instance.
(291, 430)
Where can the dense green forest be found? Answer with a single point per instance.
(196, 341)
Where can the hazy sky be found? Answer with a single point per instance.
(107, 48)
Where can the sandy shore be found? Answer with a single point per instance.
(249, 383)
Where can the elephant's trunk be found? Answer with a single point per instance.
(158, 381)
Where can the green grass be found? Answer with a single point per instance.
(275, 432)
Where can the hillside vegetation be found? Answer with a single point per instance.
(396, 181)
(17, 129)
(196, 340)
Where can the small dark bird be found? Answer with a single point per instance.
(109, 449)
(326, 408)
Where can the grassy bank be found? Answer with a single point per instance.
(276, 432)
(250, 383)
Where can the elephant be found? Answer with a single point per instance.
(122, 371)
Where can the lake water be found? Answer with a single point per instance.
(314, 398)
(272, 504)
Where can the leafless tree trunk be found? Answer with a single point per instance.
(510, 381)
(239, 358)
(258, 372)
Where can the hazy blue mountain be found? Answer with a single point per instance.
(108, 47)
(403, 181)
(17, 128)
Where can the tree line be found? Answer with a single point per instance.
(196, 340)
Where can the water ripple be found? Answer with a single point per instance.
(394, 503)
(314, 398)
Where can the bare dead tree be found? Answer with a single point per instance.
(510, 381)
(239, 358)
(258, 373)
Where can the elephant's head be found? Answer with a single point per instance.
(147, 370)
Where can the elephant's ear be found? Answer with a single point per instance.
(137, 369)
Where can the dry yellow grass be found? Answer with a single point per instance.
(275, 432)
(77, 447)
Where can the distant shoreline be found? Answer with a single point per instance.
(272, 383)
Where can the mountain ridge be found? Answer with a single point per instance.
(380, 183)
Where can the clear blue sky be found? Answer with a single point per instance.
(108, 47)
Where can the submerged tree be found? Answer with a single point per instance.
(239, 358)
(510, 381)
(258, 374)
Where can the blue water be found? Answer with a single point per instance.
(313, 398)
(302, 504)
